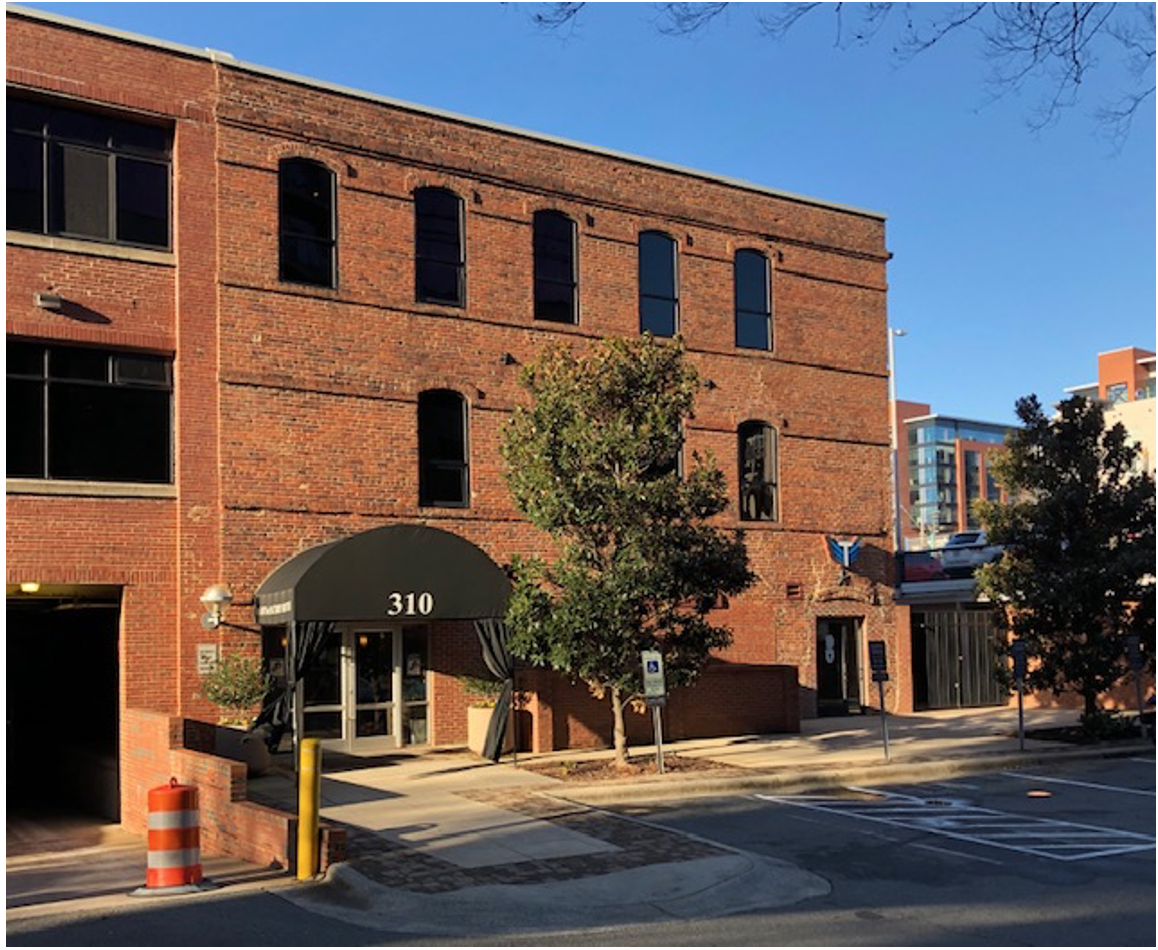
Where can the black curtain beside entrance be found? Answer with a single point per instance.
(493, 634)
(306, 644)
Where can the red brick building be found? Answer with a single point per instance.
(250, 315)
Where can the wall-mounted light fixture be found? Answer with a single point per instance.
(215, 599)
(29, 587)
(44, 301)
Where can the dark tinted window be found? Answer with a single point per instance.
(438, 246)
(658, 284)
(753, 301)
(83, 413)
(555, 272)
(758, 486)
(307, 249)
(86, 175)
(444, 476)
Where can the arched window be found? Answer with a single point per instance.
(306, 223)
(658, 284)
(556, 274)
(443, 450)
(759, 494)
(438, 247)
(753, 300)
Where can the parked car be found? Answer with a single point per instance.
(966, 551)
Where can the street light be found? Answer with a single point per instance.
(898, 542)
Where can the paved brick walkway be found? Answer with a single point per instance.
(639, 845)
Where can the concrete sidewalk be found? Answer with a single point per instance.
(443, 842)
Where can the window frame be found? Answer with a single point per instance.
(459, 264)
(285, 234)
(764, 315)
(571, 284)
(770, 470)
(116, 153)
(426, 462)
(51, 435)
(649, 293)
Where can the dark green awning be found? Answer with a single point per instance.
(397, 573)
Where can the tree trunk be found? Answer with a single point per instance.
(620, 732)
(1091, 705)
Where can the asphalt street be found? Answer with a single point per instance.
(1051, 856)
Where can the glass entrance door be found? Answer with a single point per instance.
(372, 704)
(368, 691)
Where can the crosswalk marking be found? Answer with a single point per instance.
(1043, 837)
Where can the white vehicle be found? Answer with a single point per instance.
(968, 550)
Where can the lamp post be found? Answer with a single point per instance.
(898, 541)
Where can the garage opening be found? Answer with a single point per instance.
(63, 703)
(955, 658)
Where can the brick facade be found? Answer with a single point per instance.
(295, 406)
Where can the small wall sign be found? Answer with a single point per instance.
(207, 656)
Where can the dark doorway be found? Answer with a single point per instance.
(837, 666)
(955, 659)
(63, 707)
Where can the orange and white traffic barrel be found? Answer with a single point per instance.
(174, 840)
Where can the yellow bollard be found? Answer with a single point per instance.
(309, 797)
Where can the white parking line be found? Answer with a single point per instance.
(1147, 761)
(1066, 781)
(1027, 834)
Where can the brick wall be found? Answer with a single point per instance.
(155, 752)
(296, 406)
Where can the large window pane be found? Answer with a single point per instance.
(658, 307)
(142, 202)
(86, 175)
(80, 196)
(306, 225)
(438, 246)
(442, 449)
(94, 415)
(753, 300)
(25, 422)
(555, 278)
(758, 464)
(657, 316)
(25, 162)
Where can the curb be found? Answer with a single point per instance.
(814, 780)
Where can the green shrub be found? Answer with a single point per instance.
(237, 683)
(482, 691)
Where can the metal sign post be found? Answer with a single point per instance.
(1017, 649)
(878, 663)
(655, 695)
(1134, 656)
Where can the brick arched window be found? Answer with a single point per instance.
(556, 270)
(753, 290)
(307, 223)
(443, 450)
(759, 488)
(440, 263)
(658, 284)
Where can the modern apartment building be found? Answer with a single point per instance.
(1125, 386)
(943, 469)
(263, 334)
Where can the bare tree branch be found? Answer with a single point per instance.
(1051, 46)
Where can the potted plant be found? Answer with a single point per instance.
(482, 693)
(237, 684)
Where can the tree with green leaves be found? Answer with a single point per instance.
(1078, 571)
(594, 461)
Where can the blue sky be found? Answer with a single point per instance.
(1017, 256)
